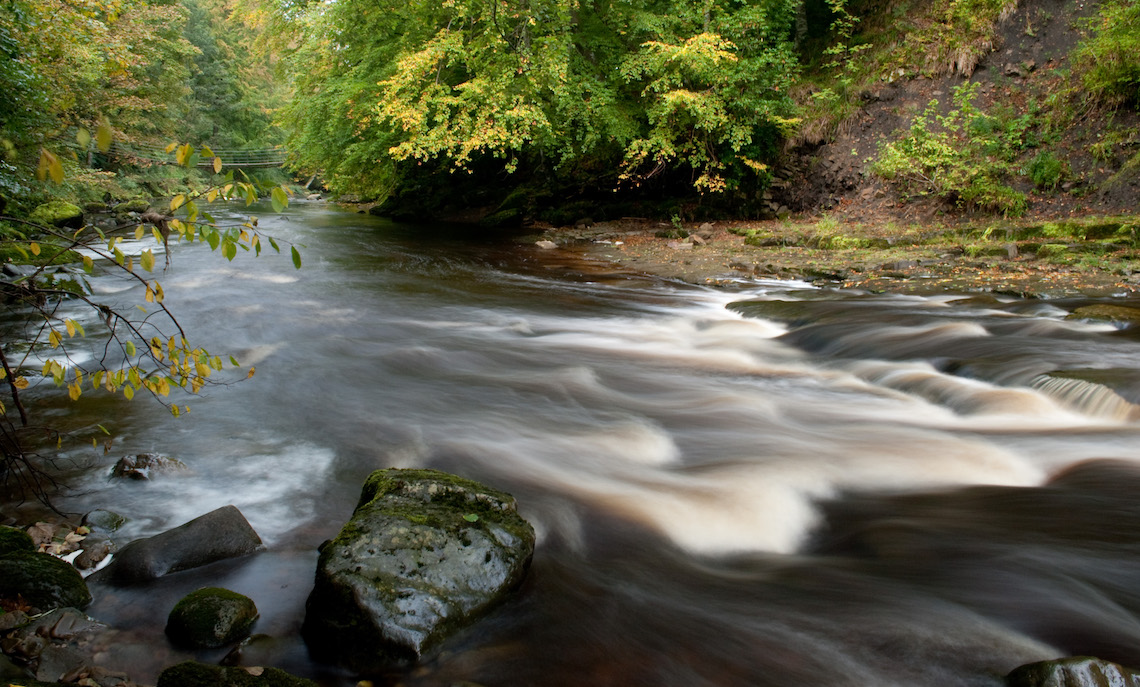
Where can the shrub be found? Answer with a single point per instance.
(1109, 59)
(1046, 171)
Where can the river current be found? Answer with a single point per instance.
(769, 484)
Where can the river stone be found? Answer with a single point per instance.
(210, 618)
(1105, 311)
(217, 535)
(1078, 671)
(193, 674)
(103, 521)
(58, 213)
(42, 580)
(144, 466)
(423, 555)
(13, 540)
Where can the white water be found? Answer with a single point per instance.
(716, 496)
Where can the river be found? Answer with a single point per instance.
(813, 487)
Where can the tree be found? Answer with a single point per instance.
(641, 88)
(146, 351)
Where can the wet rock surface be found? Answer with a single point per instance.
(217, 535)
(210, 618)
(1078, 671)
(424, 554)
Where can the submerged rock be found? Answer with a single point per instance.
(193, 674)
(1078, 671)
(42, 581)
(217, 535)
(210, 618)
(423, 555)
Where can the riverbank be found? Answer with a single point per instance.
(1096, 256)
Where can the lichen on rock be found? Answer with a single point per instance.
(424, 554)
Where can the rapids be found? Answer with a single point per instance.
(772, 484)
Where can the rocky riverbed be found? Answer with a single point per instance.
(1054, 258)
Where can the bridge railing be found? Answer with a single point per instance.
(267, 157)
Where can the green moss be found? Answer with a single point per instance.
(13, 540)
(193, 674)
(57, 213)
(42, 580)
(211, 617)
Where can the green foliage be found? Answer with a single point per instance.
(142, 353)
(1046, 171)
(1108, 59)
(959, 156)
(621, 92)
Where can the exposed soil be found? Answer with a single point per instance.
(846, 228)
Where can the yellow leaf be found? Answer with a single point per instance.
(217, 165)
(20, 383)
(3, 373)
(139, 232)
(170, 148)
(74, 391)
(149, 294)
(35, 248)
(129, 392)
(177, 202)
(70, 324)
(211, 194)
(174, 410)
(55, 339)
(147, 260)
(251, 371)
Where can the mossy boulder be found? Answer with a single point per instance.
(42, 580)
(58, 213)
(424, 554)
(1105, 311)
(13, 540)
(1078, 671)
(137, 205)
(210, 618)
(193, 674)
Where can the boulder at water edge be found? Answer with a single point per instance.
(217, 535)
(58, 213)
(42, 581)
(423, 555)
(210, 618)
(1079, 671)
(14, 540)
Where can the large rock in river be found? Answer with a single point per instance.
(217, 535)
(1077, 671)
(423, 555)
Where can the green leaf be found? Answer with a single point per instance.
(471, 517)
(212, 238)
(296, 257)
(83, 138)
(274, 244)
(229, 249)
(147, 260)
(234, 362)
(279, 199)
(129, 347)
(103, 136)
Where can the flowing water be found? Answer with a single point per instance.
(805, 487)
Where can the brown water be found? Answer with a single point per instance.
(836, 489)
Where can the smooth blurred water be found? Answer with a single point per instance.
(807, 487)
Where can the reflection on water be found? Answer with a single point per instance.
(803, 488)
